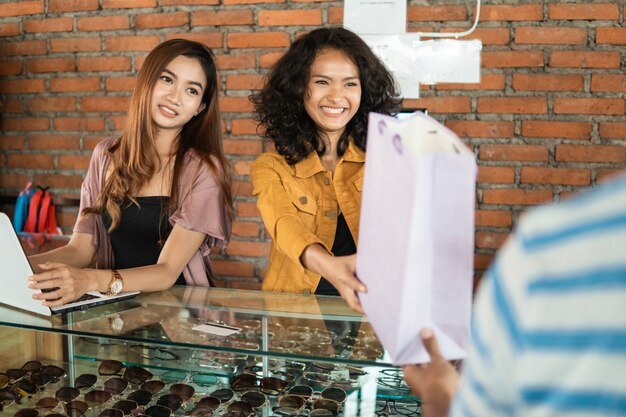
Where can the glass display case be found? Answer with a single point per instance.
(199, 352)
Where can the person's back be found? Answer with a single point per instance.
(549, 336)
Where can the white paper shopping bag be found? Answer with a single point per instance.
(416, 235)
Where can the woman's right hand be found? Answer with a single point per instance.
(340, 271)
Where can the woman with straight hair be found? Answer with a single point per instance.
(315, 107)
(157, 198)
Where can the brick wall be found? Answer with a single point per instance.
(546, 120)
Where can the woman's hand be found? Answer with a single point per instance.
(68, 283)
(340, 271)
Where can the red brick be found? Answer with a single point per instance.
(118, 121)
(501, 175)
(21, 8)
(229, 2)
(31, 161)
(61, 24)
(242, 167)
(66, 104)
(555, 129)
(488, 36)
(120, 83)
(258, 40)
(9, 29)
(435, 13)
(588, 11)
(97, 64)
(490, 240)
(13, 143)
(22, 86)
(604, 175)
(513, 153)
(131, 43)
(78, 124)
(51, 65)
(102, 23)
(12, 106)
(247, 209)
(297, 17)
(210, 39)
(335, 15)
(50, 142)
(596, 153)
(601, 106)
(481, 129)
(487, 82)
(516, 196)
(612, 130)
(161, 20)
(222, 18)
(244, 82)
(511, 13)
(243, 126)
(246, 229)
(240, 248)
(511, 59)
(73, 161)
(547, 82)
(75, 44)
(58, 181)
(441, 104)
(611, 36)
(247, 284)
(73, 84)
(10, 67)
(240, 269)
(235, 104)
(269, 59)
(493, 218)
(555, 176)
(243, 147)
(242, 189)
(516, 105)
(128, 4)
(551, 35)
(12, 180)
(23, 48)
(608, 83)
(188, 2)
(239, 61)
(56, 6)
(482, 261)
(104, 104)
(584, 59)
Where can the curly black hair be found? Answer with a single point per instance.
(280, 104)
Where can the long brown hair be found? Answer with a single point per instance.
(134, 157)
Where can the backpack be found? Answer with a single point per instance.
(41, 214)
(21, 207)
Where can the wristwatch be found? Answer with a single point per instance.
(117, 283)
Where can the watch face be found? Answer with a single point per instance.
(116, 287)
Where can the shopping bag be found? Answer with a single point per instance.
(41, 214)
(416, 235)
(21, 207)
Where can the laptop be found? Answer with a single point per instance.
(14, 272)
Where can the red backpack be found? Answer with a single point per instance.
(41, 216)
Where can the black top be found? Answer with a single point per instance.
(342, 246)
(139, 238)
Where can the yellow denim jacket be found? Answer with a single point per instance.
(299, 205)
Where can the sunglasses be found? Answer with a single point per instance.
(402, 406)
(182, 390)
(223, 394)
(110, 412)
(158, 411)
(7, 398)
(115, 385)
(240, 407)
(66, 394)
(85, 381)
(210, 401)
(27, 412)
(153, 386)
(200, 411)
(254, 398)
(171, 401)
(47, 403)
(76, 408)
(110, 367)
(268, 385)
(126, 406)
(97, 397)
(141, 397)
(137, 375)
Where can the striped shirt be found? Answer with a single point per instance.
(549, 327)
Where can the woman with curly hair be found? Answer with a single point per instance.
(155, 199)
(315, 107)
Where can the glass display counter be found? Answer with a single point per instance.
(199, 352)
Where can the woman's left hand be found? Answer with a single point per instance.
(67, 283)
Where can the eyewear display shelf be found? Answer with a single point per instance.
(192, 351)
